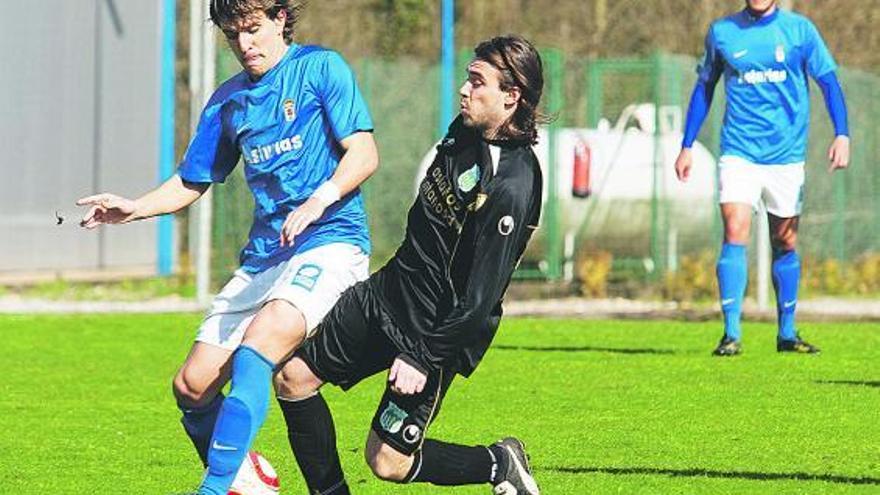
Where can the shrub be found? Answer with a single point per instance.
(593, 268)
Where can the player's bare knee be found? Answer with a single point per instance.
(386, 463)
(784, 241)
(737, 223)
(188, 390)
(295, 380)
(277, 310)
(736, 231)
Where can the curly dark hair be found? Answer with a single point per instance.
(521, 67)
(226, 12)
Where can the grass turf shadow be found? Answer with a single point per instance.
(708, 473)
(850, 382)
(581, 349)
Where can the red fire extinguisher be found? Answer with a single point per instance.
(580, 184)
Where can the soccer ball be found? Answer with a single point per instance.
(255, 477)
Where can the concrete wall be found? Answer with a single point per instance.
(79, 93)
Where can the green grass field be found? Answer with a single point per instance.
(604, 406)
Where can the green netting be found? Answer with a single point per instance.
(648, 232)
(842, 211)
(402, 98)
(841, 217)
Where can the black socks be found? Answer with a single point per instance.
(312, 438)
(448, 464)
(199, 425)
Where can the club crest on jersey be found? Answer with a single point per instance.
(780, 53)
(289, 112)
(469, 178)
(505, 225)
(392, 418)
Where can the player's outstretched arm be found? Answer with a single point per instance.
(358, 163)
(107, 208)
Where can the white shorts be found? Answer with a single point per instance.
(780, 186)
(312, 281)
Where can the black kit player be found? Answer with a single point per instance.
(433, 310)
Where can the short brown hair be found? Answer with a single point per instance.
(521, 67)
(226, 12)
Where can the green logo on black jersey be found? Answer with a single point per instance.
(392, 418)
(469, 178)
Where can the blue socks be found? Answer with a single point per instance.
(732, 270)
(786, 277)
(241, 415)
(199, 425)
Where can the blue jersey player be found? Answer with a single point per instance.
(765, 55)
(297, 120)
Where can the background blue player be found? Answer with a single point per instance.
(765, 55)
(297, 119)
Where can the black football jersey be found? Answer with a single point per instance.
(476, 209)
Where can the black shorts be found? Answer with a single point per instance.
(354, 342)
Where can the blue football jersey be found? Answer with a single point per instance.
(286, 128)
(765, 62)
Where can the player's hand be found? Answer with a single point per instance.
(683, 164)
(299, 219)
(106, 208)
(405, 379)
(838, 153)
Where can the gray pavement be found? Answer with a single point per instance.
(810, 309)
(571, 307)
